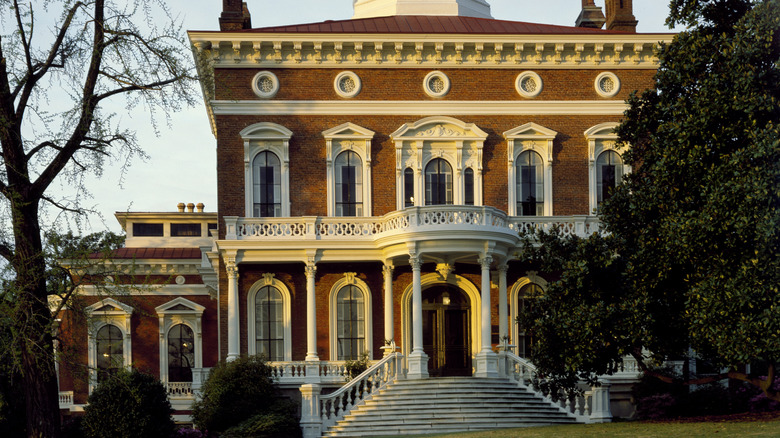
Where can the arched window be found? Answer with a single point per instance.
(349, 184)
(269, 323)
(530, 184)
(408, 187)
(350, 323)
(110, 351)
(267, 180)
(181, 353)
(468, 186)
(438, 182)
(526, 299)
(609, 172)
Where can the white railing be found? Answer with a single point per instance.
(329, 372)
(66, 399)
(334, 406)
(180, 389)
(588, 407)
(581, 226)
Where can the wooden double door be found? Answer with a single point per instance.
(446, 334)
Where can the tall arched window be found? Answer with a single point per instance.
(609, 172)
(438, 182)
(350, 323)
(181, 353)
(269, 323)
(267, 180)
(526, 299)
(110, 351)
(408, 187)
(530, 184)
(349, 184)
(468, 186)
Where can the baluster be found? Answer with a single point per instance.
(324, 415)
(577, 406)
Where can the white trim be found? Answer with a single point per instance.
(601, 137)
(529, 75)
(269, 280)
(514, 296)
(415, 107)
(266, 136)
(540, 140)
(119, 317)
(348, 136)
(350, 279)
(433, 279)
(355, 79)
(600, 90)
(168, 318)
(436, 75)
(166, 290)
(274, 85)
(455, 141)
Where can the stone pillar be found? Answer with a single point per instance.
(387, 270)
(234, 345)
(503, 317)
(418, 360)
(311, 422)
(487, 361)
(311, 313)
(600, 411)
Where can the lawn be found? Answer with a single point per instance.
(729, 426)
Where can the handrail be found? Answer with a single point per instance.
(336, 404)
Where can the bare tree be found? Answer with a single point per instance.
(58, 79)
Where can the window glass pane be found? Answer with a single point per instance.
(438, 182)
(181, 353)
(468, 183)
(350, 317)
(530, 184)
(609, 171)
(349, 187)
(185, 230)
(269, 329)
(408, 187)
(147, 230)
(110, 351)
(267, 185)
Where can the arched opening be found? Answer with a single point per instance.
(446, 334)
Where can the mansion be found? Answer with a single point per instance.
(375, 176)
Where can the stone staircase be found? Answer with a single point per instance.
(450, 404)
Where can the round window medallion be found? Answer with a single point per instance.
(436, 84)
(265, 84)
(347, 84)
(528, 84)
(180, 279)
(607, 84)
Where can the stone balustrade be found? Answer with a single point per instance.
(66, 399)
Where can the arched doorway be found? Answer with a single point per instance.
(446, 334)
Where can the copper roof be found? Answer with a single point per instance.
(153, 253)
(425, 24)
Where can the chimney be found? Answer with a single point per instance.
(235, 16)
(200, 206)
(590, 16)
(190, 207)
(180, 206)
(620, 15)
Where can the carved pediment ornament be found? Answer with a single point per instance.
(439, 131)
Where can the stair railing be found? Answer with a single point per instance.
(590, 406)
(335, 405)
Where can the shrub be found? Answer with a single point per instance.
(234, 392)
(129, 404)
(280, 421)
(760, 403)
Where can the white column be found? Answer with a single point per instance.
(233, 320)
(418, 360)
(311, 313)
(503, 323)
(387, 270)
(487, 361)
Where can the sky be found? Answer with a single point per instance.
(182, 159)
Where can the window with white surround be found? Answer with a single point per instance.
(606, 167)
(427, 148)
(350, 319)
(181, 339)
(347, 84)
(265, 84)
(108, 338)
(530, 157)
(267, 169)
(436, 84)
(348, 159)
(528, 84)
(269, 319)
(607, 84)
(523, 294)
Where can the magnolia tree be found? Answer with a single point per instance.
(691, 253)
(63, 63)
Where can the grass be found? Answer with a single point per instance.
(762, 426)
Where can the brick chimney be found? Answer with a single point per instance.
(235, 16)
(590, 16)
(620, 15)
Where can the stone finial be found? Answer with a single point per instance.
(200, 207)
(180, 206)
(190, 207)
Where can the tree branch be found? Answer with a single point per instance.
(6, 252)
(58, 205)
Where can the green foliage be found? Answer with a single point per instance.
(693, 252)
(129, 404)
(280, 421)
(356, 367)
(234, 392)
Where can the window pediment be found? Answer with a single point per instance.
(180, 305)
(109, 306)
(439, 128)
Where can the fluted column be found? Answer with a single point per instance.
(503, 323)
(311, 313)
(234, 351)
(418, 360)
(487, 361)
(387, 270)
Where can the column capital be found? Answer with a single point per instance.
(232, 270)
(310, 269)
(388, 268)
(416, 261)
(502, 268)
(485, 261)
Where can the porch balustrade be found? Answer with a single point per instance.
(66, 399)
